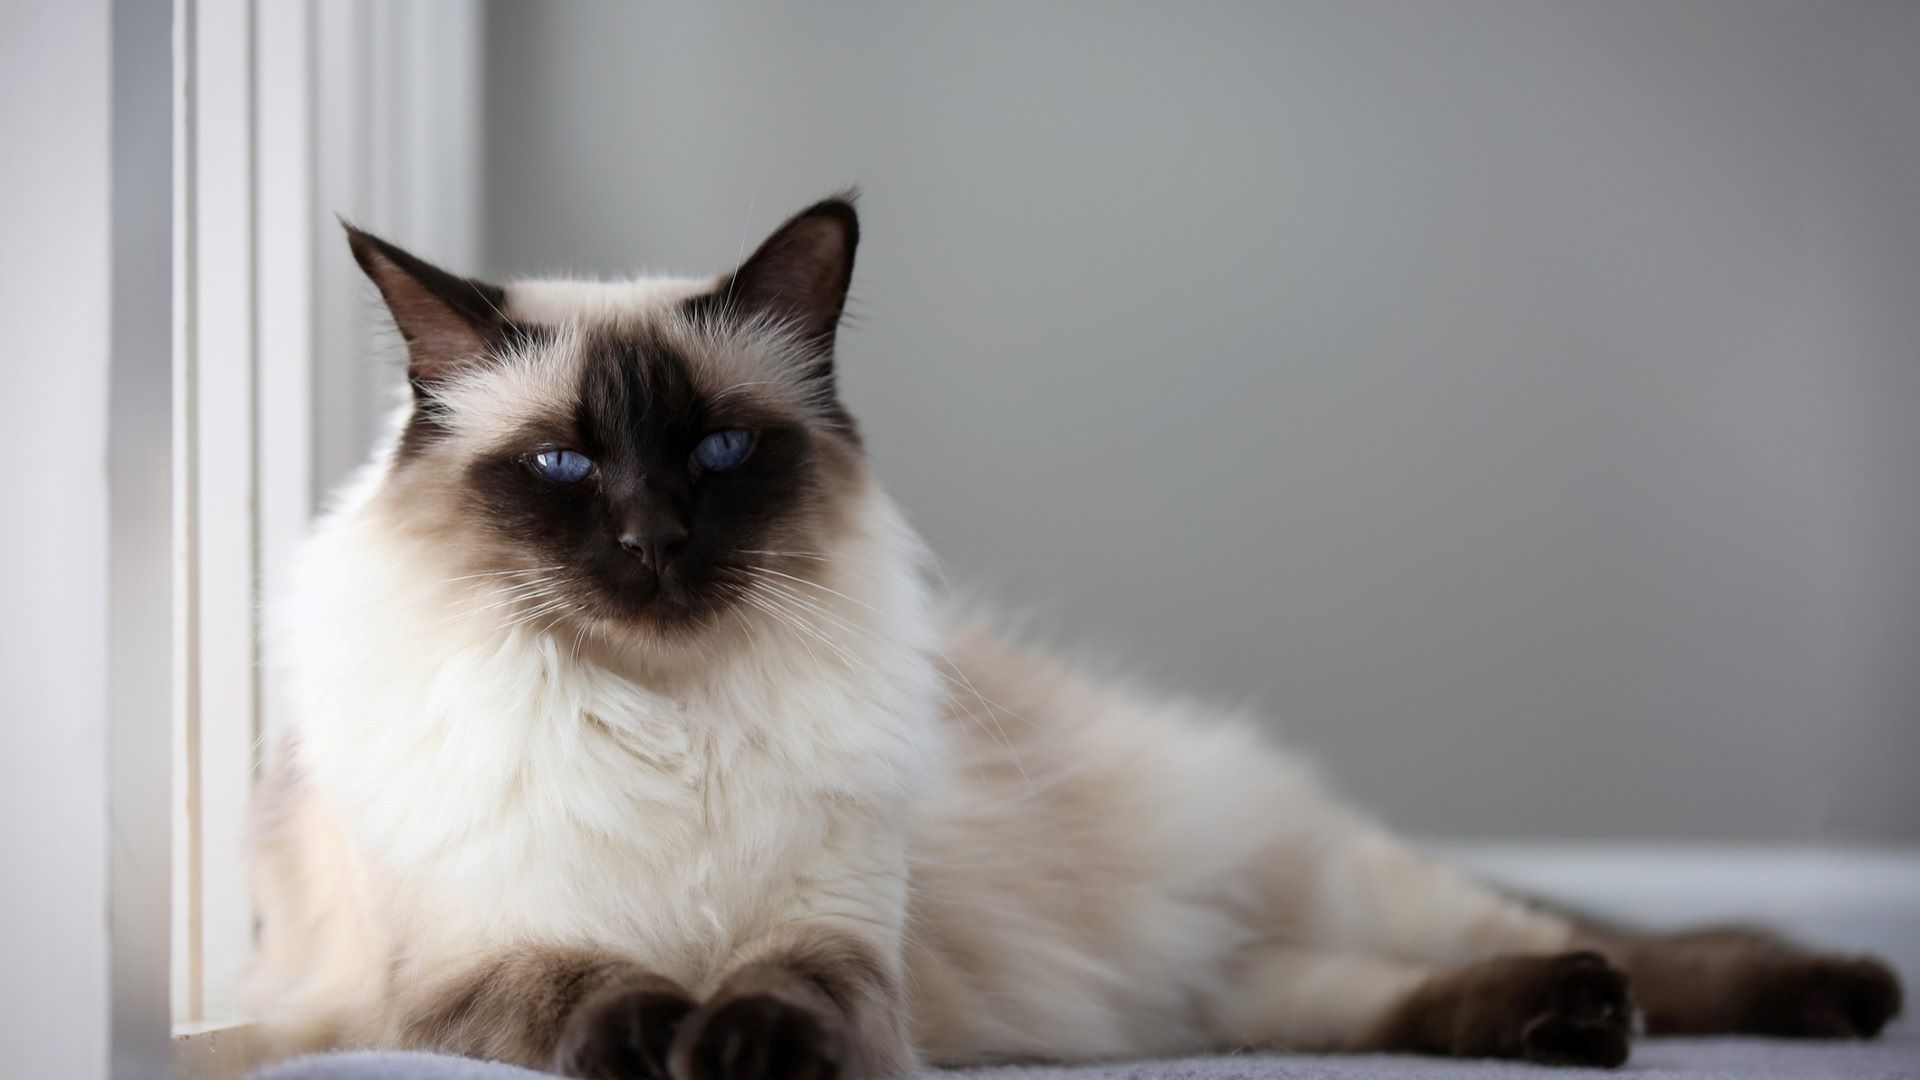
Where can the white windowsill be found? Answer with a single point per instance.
(215, 1050)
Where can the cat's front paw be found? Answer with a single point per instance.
(621, 1034)
(1820, 997)
(758, 1037)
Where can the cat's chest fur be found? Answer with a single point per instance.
(507, 791)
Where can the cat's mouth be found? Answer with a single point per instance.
(640, 596)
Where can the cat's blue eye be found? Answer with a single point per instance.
(722, 450)
(561, 466)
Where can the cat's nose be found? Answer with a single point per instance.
(655, 549)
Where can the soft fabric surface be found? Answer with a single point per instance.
(1897, 1056)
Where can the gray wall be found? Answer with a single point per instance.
(1516, 401)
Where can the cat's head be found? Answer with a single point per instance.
(639, 456)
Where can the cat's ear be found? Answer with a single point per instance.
(798, 277)
(448, 321)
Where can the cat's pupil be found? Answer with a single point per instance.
(722, 450)
(561, 466)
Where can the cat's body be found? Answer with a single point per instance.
(792, 819)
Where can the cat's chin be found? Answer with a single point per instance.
(663, 616)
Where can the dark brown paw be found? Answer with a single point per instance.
(1821, 997)
(758, 1037)
(1569, 1009)
(1580, 1012)
(621, 1035)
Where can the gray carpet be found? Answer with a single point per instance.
(1896, 1056)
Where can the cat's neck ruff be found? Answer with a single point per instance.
(528, 783)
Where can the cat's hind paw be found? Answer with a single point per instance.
(1822, 996)
(1585, 1013)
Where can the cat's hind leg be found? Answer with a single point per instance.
(1291, 998)
(1750, 982)
(1566, 1009)
(1390, 950)
(1357, 888)
(1366, 891)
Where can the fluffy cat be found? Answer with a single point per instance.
(632, 740)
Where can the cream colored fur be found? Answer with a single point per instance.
(1062, 868)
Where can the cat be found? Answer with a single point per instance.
(634, 738)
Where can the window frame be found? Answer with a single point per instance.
(286, 114)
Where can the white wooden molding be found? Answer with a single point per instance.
(219, 701)
(289, 113)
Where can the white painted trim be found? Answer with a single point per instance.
(183, 699)
(288, 113)
(244, 412)
(222, 503)
(342, 368)
(285, 223)
(213, 1051)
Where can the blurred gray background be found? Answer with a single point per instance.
(1519, 403)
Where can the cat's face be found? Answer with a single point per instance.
(649, 458)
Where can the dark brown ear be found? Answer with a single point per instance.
(447, 321)
(799, 275)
